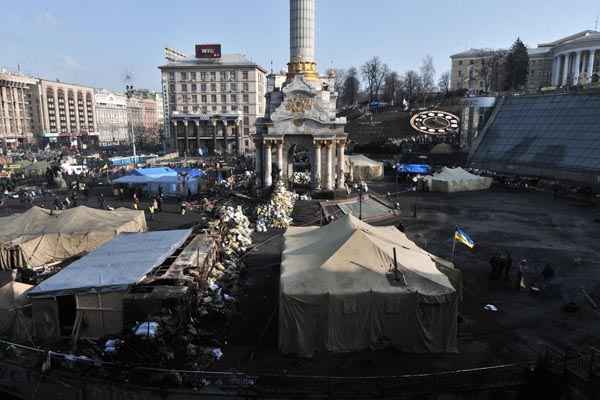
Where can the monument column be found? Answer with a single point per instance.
(259, 165)
(268, 179)
(185, 131)
(214, 125)
(329, 168)
(316, 170)
(280, 157)
(302, 39)
(591, 64)
(566, 67)
(576, 69)
(341, 179)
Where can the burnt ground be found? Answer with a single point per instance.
(530, 225)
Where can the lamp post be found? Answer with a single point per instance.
(129, 93)
(361, 188)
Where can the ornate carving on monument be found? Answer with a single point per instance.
(299, 103)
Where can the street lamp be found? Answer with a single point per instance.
(361, 188)
(129, 93)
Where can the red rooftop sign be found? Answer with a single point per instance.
(208, 51)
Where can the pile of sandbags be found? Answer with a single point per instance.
(277, 213)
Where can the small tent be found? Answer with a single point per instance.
(361, 167)
(39, 236)
(451, 180)
(342, 291)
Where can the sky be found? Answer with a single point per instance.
(98, 43)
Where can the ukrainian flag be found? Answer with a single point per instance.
(462, 237)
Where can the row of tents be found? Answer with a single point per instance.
(448, 180)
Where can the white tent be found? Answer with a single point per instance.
(451, 180)
(338, 292)
(39, 236)
(362, 167)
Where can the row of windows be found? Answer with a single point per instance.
(204, 76)
(213, 87)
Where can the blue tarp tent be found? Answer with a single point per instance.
(422, 169)
(191, 172)
(154, 172)
(169, 180)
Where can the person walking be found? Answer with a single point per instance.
(136, 201)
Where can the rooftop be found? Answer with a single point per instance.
(226, 60)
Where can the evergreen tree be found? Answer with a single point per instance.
(517, 66)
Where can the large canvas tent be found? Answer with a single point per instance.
(451, 180)
(362, 167)
(337, 292)
(14, 323)
(39, 236)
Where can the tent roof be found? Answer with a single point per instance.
(453, 174)
(11, 295)
(155, 172)
(39, 221)
(350, 256)
(362, 160)
(123, 261)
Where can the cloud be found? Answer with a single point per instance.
(47, 19)
(71, 63)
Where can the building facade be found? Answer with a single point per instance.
(211, 104)
(19, 110)
(570, 61)
(68, 113)
(111, 116)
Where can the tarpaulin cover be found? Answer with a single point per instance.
(337, 294)
(39, 236)
(363, 168)
(413, 169)
(451, 180)
(13, 322)
(154, 172)
(123, 261)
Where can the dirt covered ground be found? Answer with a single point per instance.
(529, 225)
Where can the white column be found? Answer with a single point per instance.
(259, 164)
(565, 69)
(268, 166)
(302, 30)
(591, 64)
(556, 71)
(576, 70)
(341, 166)
(280, 157)
(316, 168)
(329, 168)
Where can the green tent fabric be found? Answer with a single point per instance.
(338, 292)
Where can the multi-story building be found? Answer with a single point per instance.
(573, 60)
(211, 101)
(67, 113)
(111, 118)
(19, 110)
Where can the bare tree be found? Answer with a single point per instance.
(391, 88)
(492, 70)
(428, 74)
(350, 89)
(444, 82)
(374, 72)
(413, 86)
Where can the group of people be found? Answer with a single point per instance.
(528, 276)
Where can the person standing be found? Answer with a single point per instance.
(136, 201)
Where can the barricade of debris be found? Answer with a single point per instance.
(277, 212)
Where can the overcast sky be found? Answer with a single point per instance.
(98, 42)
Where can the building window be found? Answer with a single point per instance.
(223, 75)
(183, 87)
(234, 98)
(246, 121)
(213, 98)
(460, 73)
(183, 76)
(245, 87)
(204, 109)
(232, 76)
(472, 62)
(204, 98)
(224, 109)
(194, 87)
(193, 76)
(233, 87)
(245, 75)
(246, 131)
(459, 62)
(185, 109)
(203, 76)
(223, 98)
(213, 76)
(195, 108)
(213, 87)
(172, 76)
(234, 107)
(246, 109)
(223, 87)
(245, 98)
(203, 87)
(214, 108)
(194, 98)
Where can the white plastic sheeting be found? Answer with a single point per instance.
(451, 180)
(123, 261)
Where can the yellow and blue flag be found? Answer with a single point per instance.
(462, 237)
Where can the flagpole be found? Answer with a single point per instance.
(453, 247)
